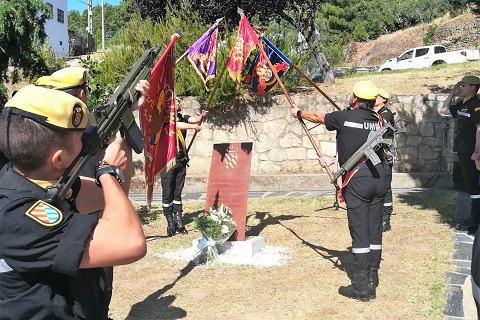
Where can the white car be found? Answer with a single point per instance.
(427, 56)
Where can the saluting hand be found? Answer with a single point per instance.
(456, 89)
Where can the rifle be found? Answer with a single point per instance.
(368, 149)
(105, 121)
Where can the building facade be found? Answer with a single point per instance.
(57, 27)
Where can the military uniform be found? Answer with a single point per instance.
(365, 192)
(40, 251)
(467, 115)
(172, 184)
(364, 185)
(92, 287)
(41, 246)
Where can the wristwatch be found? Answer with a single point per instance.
(299, 113)
(108, 169)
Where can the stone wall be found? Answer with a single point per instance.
(281, 148)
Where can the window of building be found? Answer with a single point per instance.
(50, 9)
(60, 16)
(61, 43)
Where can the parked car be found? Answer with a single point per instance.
(427, 56)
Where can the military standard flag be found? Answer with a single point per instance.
(158, 119)
(260, 77)
(244, 44)
(203, 54)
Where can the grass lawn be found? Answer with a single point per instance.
(416, 257)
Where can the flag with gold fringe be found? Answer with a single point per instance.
(158, 119)
(203, 55)
(260, 77)
(244, 44)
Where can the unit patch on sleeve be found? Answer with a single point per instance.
(45, 214)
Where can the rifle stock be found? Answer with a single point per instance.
(104, 123)
(366, 150)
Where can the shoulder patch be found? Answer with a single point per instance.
(45, 214)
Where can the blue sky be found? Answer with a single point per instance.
(81, 5)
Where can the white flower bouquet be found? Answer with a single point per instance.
(216, 227)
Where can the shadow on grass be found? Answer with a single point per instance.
(442, 201)
(158, 306)
(148, 215)
(341, 260)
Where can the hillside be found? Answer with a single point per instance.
(457, 33)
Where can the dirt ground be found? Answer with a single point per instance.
(416, 258)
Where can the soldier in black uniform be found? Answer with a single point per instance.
(364, 192)
(43, 246)
(388, 117)
(466, 143)
(174, 179)
(73, 80)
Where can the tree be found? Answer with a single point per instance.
(22, 32)
(476, 6)
(299, 14)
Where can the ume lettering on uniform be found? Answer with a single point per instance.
(366, 125)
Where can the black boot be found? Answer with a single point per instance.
(386, 222)
(358, 289)
(373, 282)
(179, 227)
(170, 223)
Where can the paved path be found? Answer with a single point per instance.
(460, 303)
(459, 300)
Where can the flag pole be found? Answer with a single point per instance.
(315, 85)
(209, 101)
(292, 105)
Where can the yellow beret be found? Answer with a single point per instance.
(471, 80)
(384, 94)
(365, 90)
(66, 78)
(49, 107)
(42, 81)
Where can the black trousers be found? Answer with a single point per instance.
(471, 177)
(388, 204)
(172, 187)
(364, 196)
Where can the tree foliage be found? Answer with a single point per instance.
(115, 19)
(21, 33)
(299, 14)
(475, 6)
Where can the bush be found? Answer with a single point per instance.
(430, 34)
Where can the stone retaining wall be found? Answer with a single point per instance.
(281, 148)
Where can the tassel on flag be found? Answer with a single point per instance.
(203, 54)
(158, 119)
(244, 44)
(260, 78)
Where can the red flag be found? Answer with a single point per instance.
(244, 44)
(158, 119)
